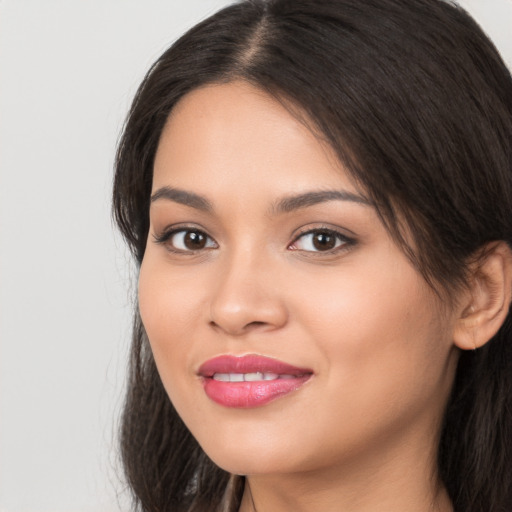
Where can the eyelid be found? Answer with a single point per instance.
(167, 233)
(346, 241)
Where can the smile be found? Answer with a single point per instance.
(248, 377)
(249, 381)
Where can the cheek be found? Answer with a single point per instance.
(381, 335)
(169, 306)
(361, 300)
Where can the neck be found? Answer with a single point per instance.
(400, 482)
(287, 494)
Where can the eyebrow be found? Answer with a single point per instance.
(292, 203)
(285, 205)
(182, 197)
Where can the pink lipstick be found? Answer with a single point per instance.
(249, 381)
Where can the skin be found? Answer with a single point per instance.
(361, 435)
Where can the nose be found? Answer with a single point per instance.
(247, 297)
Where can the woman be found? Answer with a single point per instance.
(318, 195)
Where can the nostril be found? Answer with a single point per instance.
(249, 326)
(240, 328)
(255, 324)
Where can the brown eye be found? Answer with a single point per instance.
(194, 240)
(324, 241)
(187, 240)
(320, 240)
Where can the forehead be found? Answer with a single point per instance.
(224, 135)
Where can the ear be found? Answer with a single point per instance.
(487, 301)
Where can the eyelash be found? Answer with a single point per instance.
(165, 237)
(342, 241)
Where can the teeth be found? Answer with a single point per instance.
(249, 377)
(252, 377)
(222, 377)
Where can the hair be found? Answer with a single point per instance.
(417, 104)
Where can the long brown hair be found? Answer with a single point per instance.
(417, 103)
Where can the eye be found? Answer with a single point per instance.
(320, 240)
(186, 240)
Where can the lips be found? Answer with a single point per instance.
(249, 381)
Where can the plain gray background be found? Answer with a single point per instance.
(68, 71)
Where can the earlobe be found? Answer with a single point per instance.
(488, 298)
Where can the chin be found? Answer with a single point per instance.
(245, 464)
(251, 454)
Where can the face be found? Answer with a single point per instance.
(290, 332)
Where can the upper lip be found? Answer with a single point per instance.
(251, 363)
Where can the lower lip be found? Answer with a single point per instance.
(245, 395)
